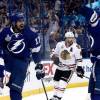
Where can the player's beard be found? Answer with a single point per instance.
(69, 42)
(18, 29)
(21, 27)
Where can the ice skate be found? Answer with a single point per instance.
(55, 98)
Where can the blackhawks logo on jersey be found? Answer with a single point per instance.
(65, 55)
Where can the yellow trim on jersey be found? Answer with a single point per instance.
(40, 90)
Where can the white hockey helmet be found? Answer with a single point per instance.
(69, 34)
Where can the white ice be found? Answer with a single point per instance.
(80, 93)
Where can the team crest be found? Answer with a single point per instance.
(65, 55)
(16, 46)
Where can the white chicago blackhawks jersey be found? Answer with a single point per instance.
(69, 57)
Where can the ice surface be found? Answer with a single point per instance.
(80, 93)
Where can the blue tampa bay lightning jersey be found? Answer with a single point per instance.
(20, 45)
(93, 19)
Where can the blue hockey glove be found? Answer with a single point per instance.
(39, 71)
(80, 71)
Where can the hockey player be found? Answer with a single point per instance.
(67, 56)
(93, 20)
(16, 44)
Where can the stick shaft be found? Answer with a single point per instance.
(44, 89)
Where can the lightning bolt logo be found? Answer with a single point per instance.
(15, 45)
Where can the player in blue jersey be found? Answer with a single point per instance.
(93, 20)
(17, 43)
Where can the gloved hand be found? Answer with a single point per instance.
(55, 60)
(39, 71)
(80, 71)
(74, 5)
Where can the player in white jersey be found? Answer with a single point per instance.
(67, 55)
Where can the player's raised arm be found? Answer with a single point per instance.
(92, 17)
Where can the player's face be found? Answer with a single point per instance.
(20, 24)
(69, 40)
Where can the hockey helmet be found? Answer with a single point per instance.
(69, 34)
(14, 17)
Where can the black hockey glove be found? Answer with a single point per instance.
(55, 60)
(39, 71)
(80, 71)
(74, 5)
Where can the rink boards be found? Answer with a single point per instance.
(34, 86)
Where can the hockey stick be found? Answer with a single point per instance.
(86, 77)
(44, 89)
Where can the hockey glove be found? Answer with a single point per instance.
(74, 5)
(55, 60)
(39, 71)
(80, 71)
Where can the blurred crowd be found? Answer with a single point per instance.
(50, 18)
